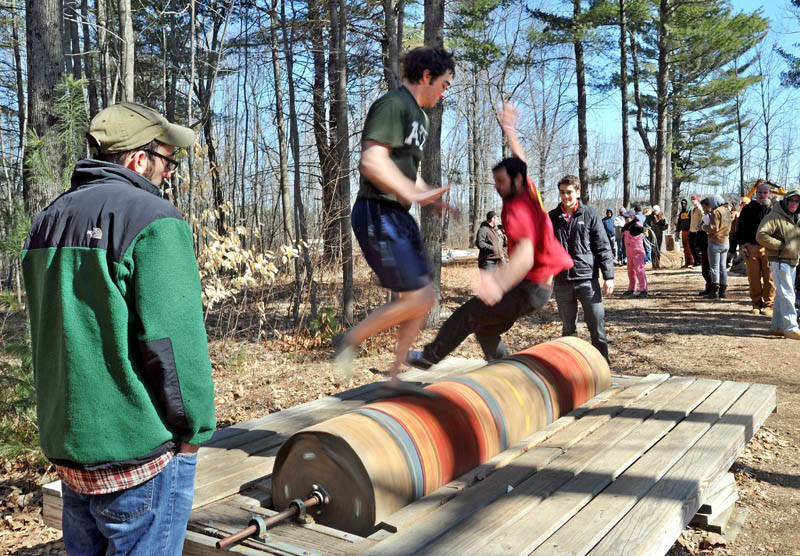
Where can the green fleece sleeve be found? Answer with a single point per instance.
(172, 339)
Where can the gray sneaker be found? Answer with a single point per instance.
(344, 355)
(415, 358)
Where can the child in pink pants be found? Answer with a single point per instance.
(633, 236)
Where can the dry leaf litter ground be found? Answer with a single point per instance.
(671, 331)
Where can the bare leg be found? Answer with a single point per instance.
(406, 334)
(409, 311)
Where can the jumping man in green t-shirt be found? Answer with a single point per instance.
(391, 149)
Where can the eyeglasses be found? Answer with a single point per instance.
(793, 200)
(172, 164)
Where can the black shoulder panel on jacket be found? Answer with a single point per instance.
(106, 208)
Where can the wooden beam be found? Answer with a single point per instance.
(654, 523)
(588, 526)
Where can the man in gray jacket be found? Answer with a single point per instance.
(490, 243)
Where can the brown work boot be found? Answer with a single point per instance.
(792, 335)
(766, 311)
(756, 311)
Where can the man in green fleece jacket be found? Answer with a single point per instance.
(123, 376)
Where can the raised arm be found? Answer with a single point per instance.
(508, 122)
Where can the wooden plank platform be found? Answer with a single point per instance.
(622, 474)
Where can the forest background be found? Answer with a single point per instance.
(647, 101)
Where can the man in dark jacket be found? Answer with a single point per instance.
(579, 229)
(657, 224)
(608, 223)
(684, 222)
(759, 276)
(490, 243)
(124, 394)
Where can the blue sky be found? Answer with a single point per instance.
(604, 117)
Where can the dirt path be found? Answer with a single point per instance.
(672, 331)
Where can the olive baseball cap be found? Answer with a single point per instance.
(126, 126)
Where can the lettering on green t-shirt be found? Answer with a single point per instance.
(395, 120)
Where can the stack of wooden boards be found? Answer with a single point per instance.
(622, 474)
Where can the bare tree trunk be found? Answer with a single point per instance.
(189, 111)
(45, 57)
(126, 31)
(766, 117)
(583, 141)
(432, 163)
(662, 84)
(623, 85)
(205, 92)
(473, 158)
(648, 147)
(71, 18)
(66, 46)
(88, 62)
(391, 44)
(286, 200)
(22, 113)
(174, 71)
(102, 46)
(676, 177)
(740, 142)
(341, 148)
(301, 228)
(330, 235)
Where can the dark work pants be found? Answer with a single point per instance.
(591, 298)
(696, 253)
(489, 264)
(706, 266)
(487, 322)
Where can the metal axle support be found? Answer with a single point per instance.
(298, 509)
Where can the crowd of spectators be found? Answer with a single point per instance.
(763, 233)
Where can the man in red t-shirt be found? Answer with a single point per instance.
(516, 289)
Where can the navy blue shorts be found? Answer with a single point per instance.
(392, 245)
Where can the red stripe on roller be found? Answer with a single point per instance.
(553, 381)
(582, 362)
(489, 436)
(598, 363)
(457, 416)
(572, 388)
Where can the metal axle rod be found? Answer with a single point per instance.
(258, 525)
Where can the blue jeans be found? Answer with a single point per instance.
(588, 293)
(717, 256)
(146, 520)
(784, 315)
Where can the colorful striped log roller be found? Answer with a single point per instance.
(379, 458)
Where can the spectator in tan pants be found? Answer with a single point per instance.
(762, 288)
